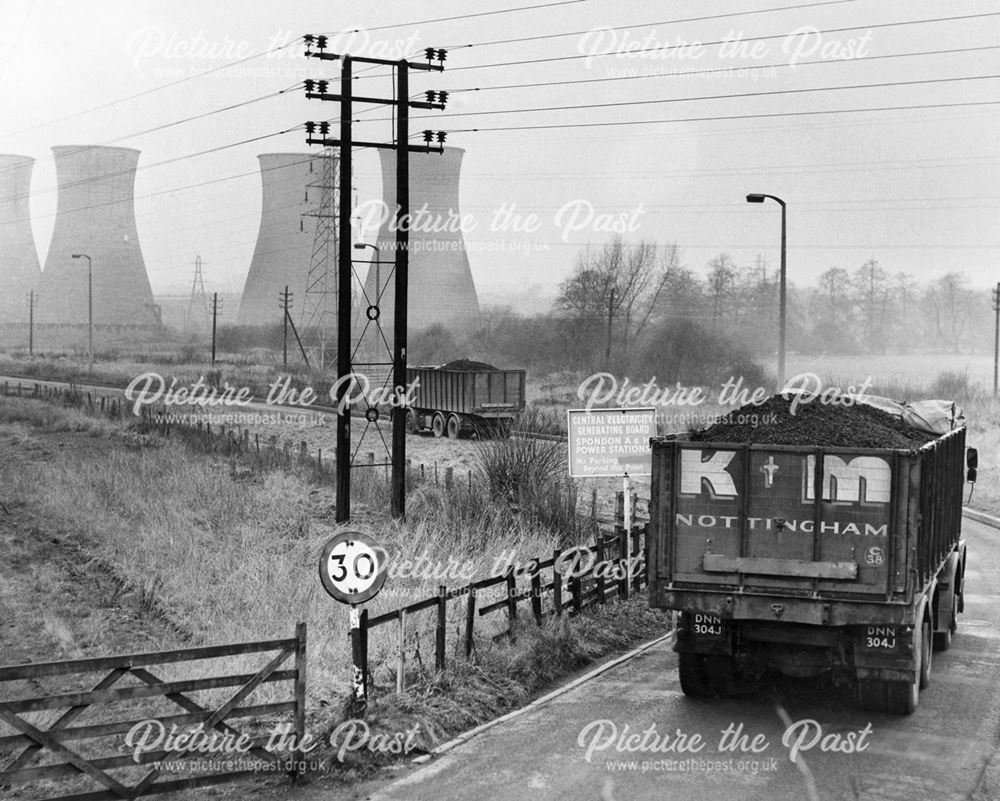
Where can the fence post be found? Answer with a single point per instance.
(576, 589)
(623, 582)
(449, 476)
(359, 682)
(511, 595)
(556, 582)
(442, 611)
(619, 509)
(599, 571)
(536, 592)
(645, 551)
(470, 621)
(401, 644)
(300, 686)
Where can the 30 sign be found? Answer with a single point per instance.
(352, 567)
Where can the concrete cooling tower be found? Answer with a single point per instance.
(291, 186)
(95, 216)
(19, 270)
(440, 283)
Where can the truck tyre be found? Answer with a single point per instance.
(411, 422)
(693, 677)
(437, 425)
(704, 675)
(871, 695)
(926, 652)
(454, 426)
(942, 639)
(903, 696)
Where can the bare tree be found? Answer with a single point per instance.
(948, 302)
(871, 289)
(721, 283)
(621, 283)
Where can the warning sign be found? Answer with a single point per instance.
(610, 442)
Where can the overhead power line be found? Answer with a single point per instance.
(151, 90)
(632, 53)
(728, 14)
(729, 96)
(713, 70)
(725, 117)
(458, 17)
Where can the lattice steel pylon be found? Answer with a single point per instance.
(318, 320)
(198, 304)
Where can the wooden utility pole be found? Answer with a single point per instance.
(285, 301)
(611, 311)
(346, 366)
(215, 316)
(31, 322)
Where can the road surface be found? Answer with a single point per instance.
(568, 749)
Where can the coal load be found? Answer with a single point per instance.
(814, 423)
(469, 364)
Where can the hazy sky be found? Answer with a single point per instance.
(916, 189)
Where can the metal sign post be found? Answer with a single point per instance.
(352, 568)
(627, 499)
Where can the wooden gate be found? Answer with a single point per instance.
(238, 751)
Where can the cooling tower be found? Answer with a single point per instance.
(19, 270)
(95, 216)
(440, 283)
(291, 186)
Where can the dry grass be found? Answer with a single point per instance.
(228, 560)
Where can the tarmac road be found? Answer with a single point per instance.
(946, 750)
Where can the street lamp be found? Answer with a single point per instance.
(90, 309)
(377, 263)
(759, 198)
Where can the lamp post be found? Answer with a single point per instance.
(759, 198)
(377, 263)
(90, 309)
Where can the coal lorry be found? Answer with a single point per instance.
(464, 397)
(799, 553)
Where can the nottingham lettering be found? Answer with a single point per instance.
(766, 523)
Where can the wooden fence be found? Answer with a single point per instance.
(36, 740)
(235, 442)
(614, 567)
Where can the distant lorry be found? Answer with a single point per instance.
(462, 398)
(802, 560)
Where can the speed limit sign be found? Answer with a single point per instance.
(352, 567)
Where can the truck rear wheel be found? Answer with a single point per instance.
(942, 639)
(704, 675)
(871, 694)
(903, 696)
(454, 426)
(437, 425)
(926, 652)
(411, 422)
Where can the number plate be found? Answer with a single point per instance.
(880, 638)
(706, 625)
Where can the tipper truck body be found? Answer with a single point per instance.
(803, 560)
(456, 402)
